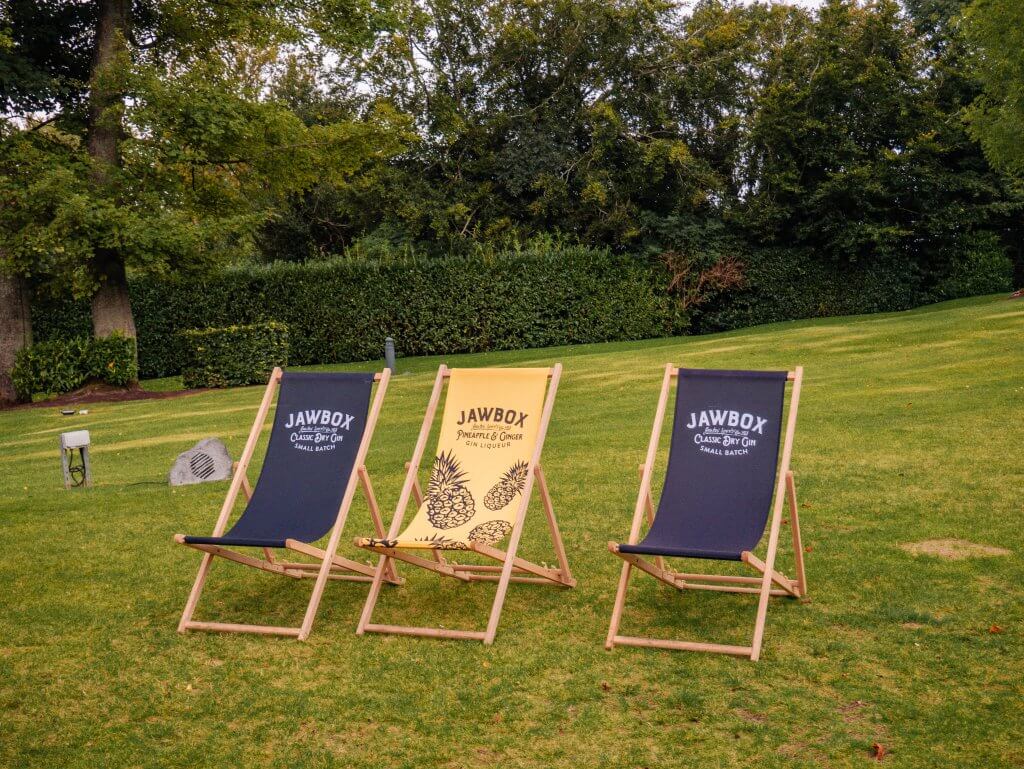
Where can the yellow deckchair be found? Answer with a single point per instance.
(492, 434)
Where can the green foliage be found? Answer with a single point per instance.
(112, 360)
(978, 265)
(996, 29)
(197, 154)
(783, 284)
(63, 365)
(233, 355)
(204, 169)
(639, 128)
(341, 310)
(57, 366)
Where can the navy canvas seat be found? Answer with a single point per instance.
(721, 467)
(314, 464)
(725, 479)
(317, 431)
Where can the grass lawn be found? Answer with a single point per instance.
(911, 429)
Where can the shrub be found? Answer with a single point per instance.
(340, 310)
(233, 355)
(113, 360)
(787, 284)
(979, 265)
(63, 365)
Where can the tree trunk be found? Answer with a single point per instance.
(15, 329)
(111, 308)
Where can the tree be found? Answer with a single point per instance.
(533, 118)
(995, 28)
(161, 152)
(15, 329)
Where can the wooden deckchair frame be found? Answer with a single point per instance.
(761, 585)
(512, 569)
(331, 566)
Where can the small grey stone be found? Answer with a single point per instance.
(208, 460)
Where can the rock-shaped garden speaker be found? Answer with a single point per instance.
(208, 460)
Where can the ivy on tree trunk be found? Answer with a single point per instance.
(15, 329)
(111, 307)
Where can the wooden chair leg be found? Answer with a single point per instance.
(556, 534)
(378, 521)
(197, 591)
(798, 544)
(620, 601)
(649, 507)
(371, 599)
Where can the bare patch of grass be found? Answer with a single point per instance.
(953, 549)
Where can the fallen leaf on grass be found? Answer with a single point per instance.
(878, 751)
(606, 686)
(995, 629)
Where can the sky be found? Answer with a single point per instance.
(804, 3)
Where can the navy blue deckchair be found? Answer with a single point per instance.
(724, 476)
(315, 459)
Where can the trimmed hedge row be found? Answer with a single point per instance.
(63, 365)
(341, 310)
(789, 284)
(233, 355)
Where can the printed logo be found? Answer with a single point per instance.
(317, 430)
(725, 433)
(491, 427)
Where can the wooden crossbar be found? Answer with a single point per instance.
(233, 627)
(690, 646)
(427, 632)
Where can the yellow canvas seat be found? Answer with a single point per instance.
(481, 478)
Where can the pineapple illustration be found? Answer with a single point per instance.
(504, 491)
(490, 532)
(449, 502)
(441, 542)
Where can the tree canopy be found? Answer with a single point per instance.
(996, 30)
(165, 136)
(146, 136)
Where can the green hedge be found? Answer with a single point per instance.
(63, 365)
(341, 310)
(233, 355)
(788, 284)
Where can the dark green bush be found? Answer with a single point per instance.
(63, 365)
(787, 284)
(341, 310)
(233, 355)
(979, 265)
(113, 360)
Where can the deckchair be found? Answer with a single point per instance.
(315, 458)
(492, 434)
(723, 476)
